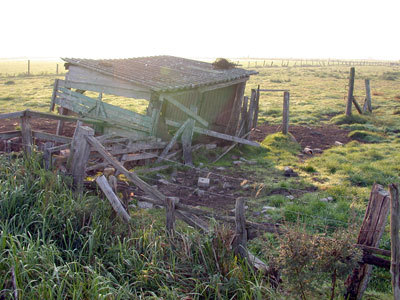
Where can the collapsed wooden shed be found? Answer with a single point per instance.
(191, 95)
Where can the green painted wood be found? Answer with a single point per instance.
(110, 109)
(186, 110)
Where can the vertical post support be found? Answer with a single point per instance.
(257, 107)
(170, 213)
(47, 154)
(395, 240)
(54, 95)
(29, 67)
(80, 151)
(240, 245)
(368, 94)
(57, 69)
(233, 123)
(26, 132)
(371, 231)
(285, 114)
(250, 114)
(350, 92)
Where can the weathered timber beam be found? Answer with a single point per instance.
(173, 140)
(17, 114)
(43, 115)
(10, 134)
(130, 175)
(51, 137)
(186, 110)
(216, 134)
(222, 85)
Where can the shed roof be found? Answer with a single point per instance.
(162, 73)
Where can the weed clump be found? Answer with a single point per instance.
(280, 141)
(366, 136)
(343, 119)
(9, 82)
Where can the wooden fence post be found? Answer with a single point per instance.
(29, 67)
(47, 154)
(26, 132)
(80, 151)
(285, 115)
(170, 213)
(368, 94)
(250, 113)
(240, 246)
(395, 240)
(257, 107)
(350, 92)
(371, 231)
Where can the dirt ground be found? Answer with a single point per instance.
(225, 185)
(322, 137)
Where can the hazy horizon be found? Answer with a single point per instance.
(232, 29)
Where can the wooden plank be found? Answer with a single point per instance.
(85, 75)
(173, 141)
(156, 104)
(135, 147)
(47, 157)
(285, 114)
(216, 134)
(80, 151)
(130, 175)
(232, 125)
(13, 115)
(230, 148)
(395, 239)
(51, 137)
(193, 220)
(43, 115)
(350, 92)
(244, 111)
(109, 109)
(135, 157)
(122, 92)
(370, 234)
(53, 96)
(10, 134)
(186, 110)
(113, 199)
(26, 132)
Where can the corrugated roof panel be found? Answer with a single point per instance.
(163, 73)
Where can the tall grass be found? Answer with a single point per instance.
(66, 247)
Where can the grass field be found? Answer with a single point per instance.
(317, 96)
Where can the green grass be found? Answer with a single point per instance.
(119, 267)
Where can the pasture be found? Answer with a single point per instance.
(344, 173)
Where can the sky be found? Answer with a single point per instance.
(352, 29)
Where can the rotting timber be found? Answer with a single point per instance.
(184, 97)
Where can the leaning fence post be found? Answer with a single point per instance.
(371, 231)
(26, 132)
(80, 154)
(285, 116)
(395, 240)
(350, 92)
(170, 213)
(240, 246)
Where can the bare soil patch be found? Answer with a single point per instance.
(322, 137)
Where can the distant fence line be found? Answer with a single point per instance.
(268, 63)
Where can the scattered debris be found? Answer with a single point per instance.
(203, 182)
(211, 146)
(268, 208)
(337, 143)
(327, 199)
(237, 162)
(145, 205)
(308, 151)
(164, 181)
(290, 197)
